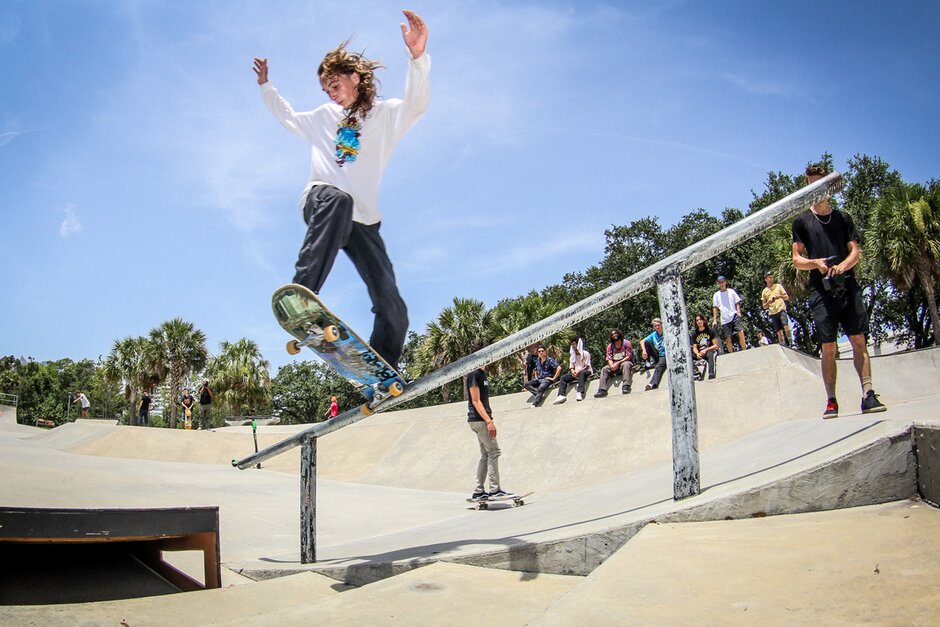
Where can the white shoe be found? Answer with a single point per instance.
(579, 397)
(561, 399)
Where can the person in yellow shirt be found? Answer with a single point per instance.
(774, 299)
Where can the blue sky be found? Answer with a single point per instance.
(143, 179)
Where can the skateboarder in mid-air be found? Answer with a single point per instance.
(351, 139)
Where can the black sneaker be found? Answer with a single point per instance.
(832, 409)
(479, 496)
(500, 494)
(624, 389)
(871, 404)
(600, 394)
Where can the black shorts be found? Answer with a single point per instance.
(779, 320)
(729, 329)
(840, 305)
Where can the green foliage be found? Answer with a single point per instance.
(906, 242)
(899, 222)
(239, 377)
(176, 349)
(301, 392)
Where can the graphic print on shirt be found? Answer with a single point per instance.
(347, 140)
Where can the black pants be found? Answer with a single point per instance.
(330, 228)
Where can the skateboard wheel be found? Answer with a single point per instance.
(396, 388)
(366, 410)
(292, 347)
(331, 333)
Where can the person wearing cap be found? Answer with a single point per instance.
(727, 304)
(774, 299)
(826, 243)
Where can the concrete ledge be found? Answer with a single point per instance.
(927, 450)
(833, 466)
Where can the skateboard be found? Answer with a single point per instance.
(302, 314)
(517, 500)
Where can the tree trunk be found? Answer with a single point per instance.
(932, 308)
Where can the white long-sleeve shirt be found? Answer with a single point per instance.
(383, 128)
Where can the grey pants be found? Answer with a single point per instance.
(330, 228)
(205, 416)
(489, 457)
(607, 377)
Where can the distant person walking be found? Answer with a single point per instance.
(205, 405)
(826, 242)
(85, 403)
(143, 411)
(333, 410)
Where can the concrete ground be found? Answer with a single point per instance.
(392, 488)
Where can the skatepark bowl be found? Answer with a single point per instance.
(799, 520)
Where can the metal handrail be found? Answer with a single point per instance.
(8, 399)
(687, 258)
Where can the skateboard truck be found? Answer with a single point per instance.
(315, 335)
(379, 392)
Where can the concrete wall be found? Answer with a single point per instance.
(927, 451)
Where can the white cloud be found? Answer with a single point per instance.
(70, 224)
(759, 87)
(9, 136)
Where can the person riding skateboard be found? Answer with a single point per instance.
(351, 139)
(480, 419)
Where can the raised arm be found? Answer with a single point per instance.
(261, 69)
(415, 34)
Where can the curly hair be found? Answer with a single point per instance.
(340, 61)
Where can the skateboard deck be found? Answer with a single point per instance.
(302, 314)
(517, 500)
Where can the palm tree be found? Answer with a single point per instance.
(906, 235)
(511, 315)
(176, 350)
(240, 375)
(128, 363)
(450, 337)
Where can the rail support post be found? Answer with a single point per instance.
(308, 500)
(685, 462)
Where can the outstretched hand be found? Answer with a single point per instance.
(261, 69)
(415, 34)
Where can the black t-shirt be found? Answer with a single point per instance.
(825, 239)
(204, 398)
(145, 403)
(703, 339)
(478, 378)
(530, 362)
